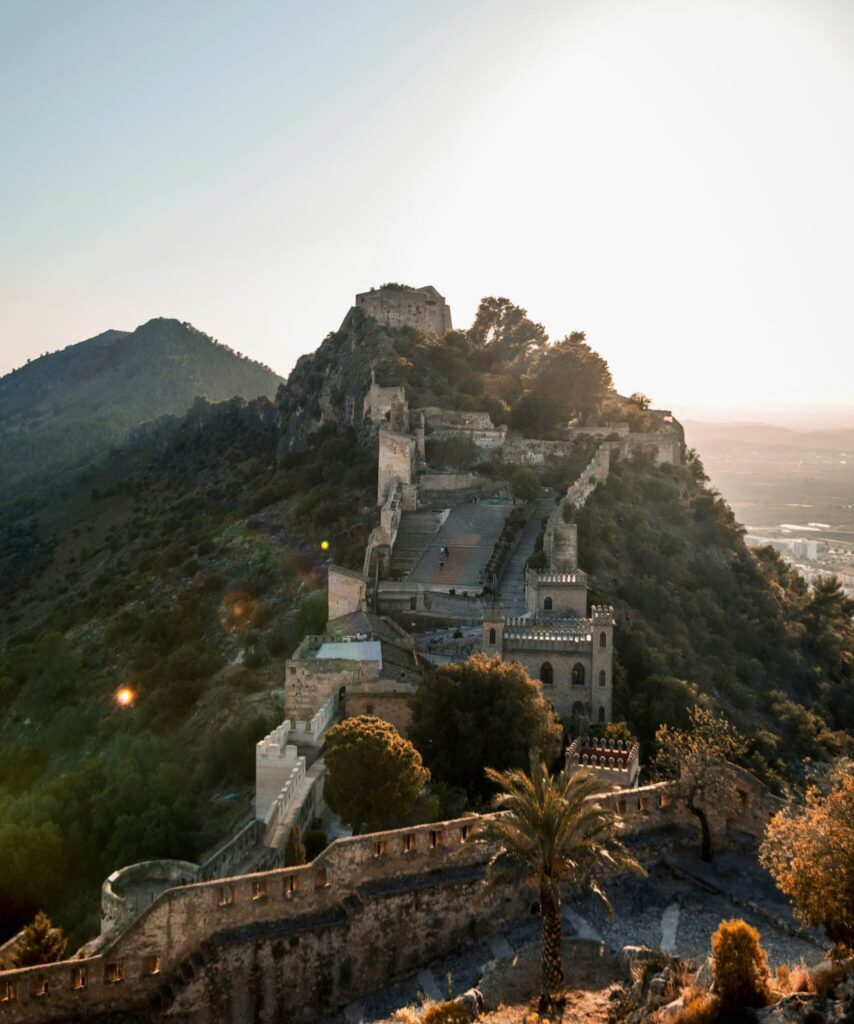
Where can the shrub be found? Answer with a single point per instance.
(740, 967)
(824, 978)
(794, 979)
(447, 1012)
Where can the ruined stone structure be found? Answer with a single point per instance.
(301, 943)
(400, 306)
(617, 764)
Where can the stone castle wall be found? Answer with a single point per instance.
(299, 943)
(422, 308)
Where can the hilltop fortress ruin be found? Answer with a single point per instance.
(445, 574)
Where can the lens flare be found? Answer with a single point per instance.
(125, 697)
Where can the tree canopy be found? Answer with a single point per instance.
(699, 756)
(374, 776)
(552, 832)
(809, 850)
(484, 713)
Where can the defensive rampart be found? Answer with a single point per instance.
(298, 943)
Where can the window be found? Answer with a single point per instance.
(413, 604)
(601, 716)
(603, 639)
(435, 838)
(464, 833)
(547, 604)
(621, 807)
(547, 674)
(41, 986)
(603, 679)
(369, 709)
(293, 670)
(8, 991)
(379, 848)
(150, 965)
(408, 842)
(289, 886)
(643, 805)
(226, 895)
(578, 708)
(113, 972)
(78, 978)
(342, 697)
(259, 890)
(492, 637)
(578, 675)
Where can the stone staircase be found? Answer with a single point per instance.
(414, 534)
(511, 588)
(469, 532)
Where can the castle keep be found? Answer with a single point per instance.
(395, 305)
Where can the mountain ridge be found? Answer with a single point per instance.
(67, 407)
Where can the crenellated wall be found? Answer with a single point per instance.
(300, 943)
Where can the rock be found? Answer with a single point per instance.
(472, 1001)
(671, 1010)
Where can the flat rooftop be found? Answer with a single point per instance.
(351, 650)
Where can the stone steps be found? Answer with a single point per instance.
(414, 534)
(511, 589)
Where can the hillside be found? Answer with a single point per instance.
(187, 564)
(63, 409)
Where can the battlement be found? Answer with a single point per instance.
(617, 763)
(283, 925)
(564, 579)
(602, 615)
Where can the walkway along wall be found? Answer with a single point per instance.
(297, 943)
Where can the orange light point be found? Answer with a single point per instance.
(125, 697)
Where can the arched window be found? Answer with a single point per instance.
(578, 675)
(547, 604)
(601, 716)
(603, 679)
(603, 639)
(578, 708)
(547, 674)
(492, 637)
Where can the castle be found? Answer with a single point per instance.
(395, 305)
(239, 937)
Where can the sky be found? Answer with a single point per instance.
(676, 179)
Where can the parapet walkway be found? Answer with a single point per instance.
(469, 533)
(511, 589)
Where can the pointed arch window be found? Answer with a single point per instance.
(547, 604)
(578, 675)
(547, 674)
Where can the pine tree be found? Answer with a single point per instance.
(40, 943)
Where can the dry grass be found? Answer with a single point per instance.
(698, 1007)
(793, 979)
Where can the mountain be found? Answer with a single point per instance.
(64, 409)
(705, 435)
(188, 562)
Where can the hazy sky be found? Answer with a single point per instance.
(677, 179)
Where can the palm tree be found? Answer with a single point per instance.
(552, 831)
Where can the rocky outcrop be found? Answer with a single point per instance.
(329, 385)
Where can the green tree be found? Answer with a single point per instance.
(373, 775)
(484, 713)
(294, 849)
(40, 943)
(525, 484)
(699, 756)
(641, 400)
(552, 833)
(505, 330)
(570, 381)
